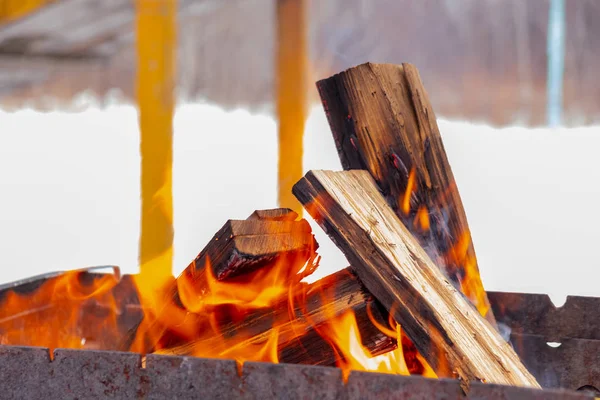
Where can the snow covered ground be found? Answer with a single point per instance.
(69, 193)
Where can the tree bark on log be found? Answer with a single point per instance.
(382, 121)
(392, 265)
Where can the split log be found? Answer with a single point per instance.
(298, 341)
(398, 272)
(240, 247)
(243, 246)
(382, 121)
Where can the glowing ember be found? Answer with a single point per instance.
(56, 315)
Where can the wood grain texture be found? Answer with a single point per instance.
(267, 239)
(275, 214)
(382, 121)
(398, 272)
(242, 246)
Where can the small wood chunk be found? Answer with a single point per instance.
(382, 121)
(243, 246)
(442, 324)
(238, 249)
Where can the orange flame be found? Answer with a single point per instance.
(57, 314)
(266, 287)
(344, 334)
(200, 315)
(422, 219)
(462, 255)
(410, 187)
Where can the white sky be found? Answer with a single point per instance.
(69, 194)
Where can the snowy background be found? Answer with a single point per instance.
(69, 192)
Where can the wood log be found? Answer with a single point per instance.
(318, 303)
(239, 248)
(382, 121)
(243, 246)
(444, 327)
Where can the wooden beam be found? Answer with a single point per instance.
(382, 121)
(291, 94)
(156, 51)
(397, 271)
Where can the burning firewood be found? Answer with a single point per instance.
(265, 238)
(295, 322)
(204, 323)
(242, 246)
(382, 121)
(397, 271)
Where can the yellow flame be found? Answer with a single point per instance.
(344, 334)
